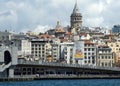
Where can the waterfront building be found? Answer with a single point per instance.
(66, 52)
(39, 49)
(116, 29)
(6, 37)
(105, 56)
(90, 55)
(48, 50)
(23, 43)
(8, 60)
(76, 19)
(24, 47)
(115, 46)
(56, 52)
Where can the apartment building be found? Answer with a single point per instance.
(105, 56)
(23, 44)
(40, 49)
(90, 55)
(115, 46)
(66, 52)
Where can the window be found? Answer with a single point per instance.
(32, 51)
(99, 57)
(105, 64)
(102, 64)
(55, 55)
(85, 57)
(88, 49)
(32, 45)
(105, 57)
(89, 61)
(35, 48)
(88, 57)
(93, 57)
(102, 57)
(117, 45)
(85, 61)
(28, 69)
(93, 61)
(85, 49)
(71, 50)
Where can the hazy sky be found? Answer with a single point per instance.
(39, 15)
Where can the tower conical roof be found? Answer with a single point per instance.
(76, 10)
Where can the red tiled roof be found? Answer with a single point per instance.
(60, 30)
(68, 33)
(45, 36)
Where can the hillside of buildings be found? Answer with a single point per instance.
(73, 44)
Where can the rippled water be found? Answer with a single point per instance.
(94, 82)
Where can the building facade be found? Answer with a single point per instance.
(90, 55)
(115, 46)
(105, 56)
(40, 49)
(116, 29)
(66, 52)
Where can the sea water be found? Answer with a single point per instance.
(89, 82)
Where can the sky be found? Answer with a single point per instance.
(41, 15)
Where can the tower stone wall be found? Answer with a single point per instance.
(76, 18)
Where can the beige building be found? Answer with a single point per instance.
(115, 46)
(105, 56)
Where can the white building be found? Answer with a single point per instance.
(24, 47)
(90, 54)
(66, 52)
(5, 36)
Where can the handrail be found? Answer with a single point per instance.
(4, 66)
